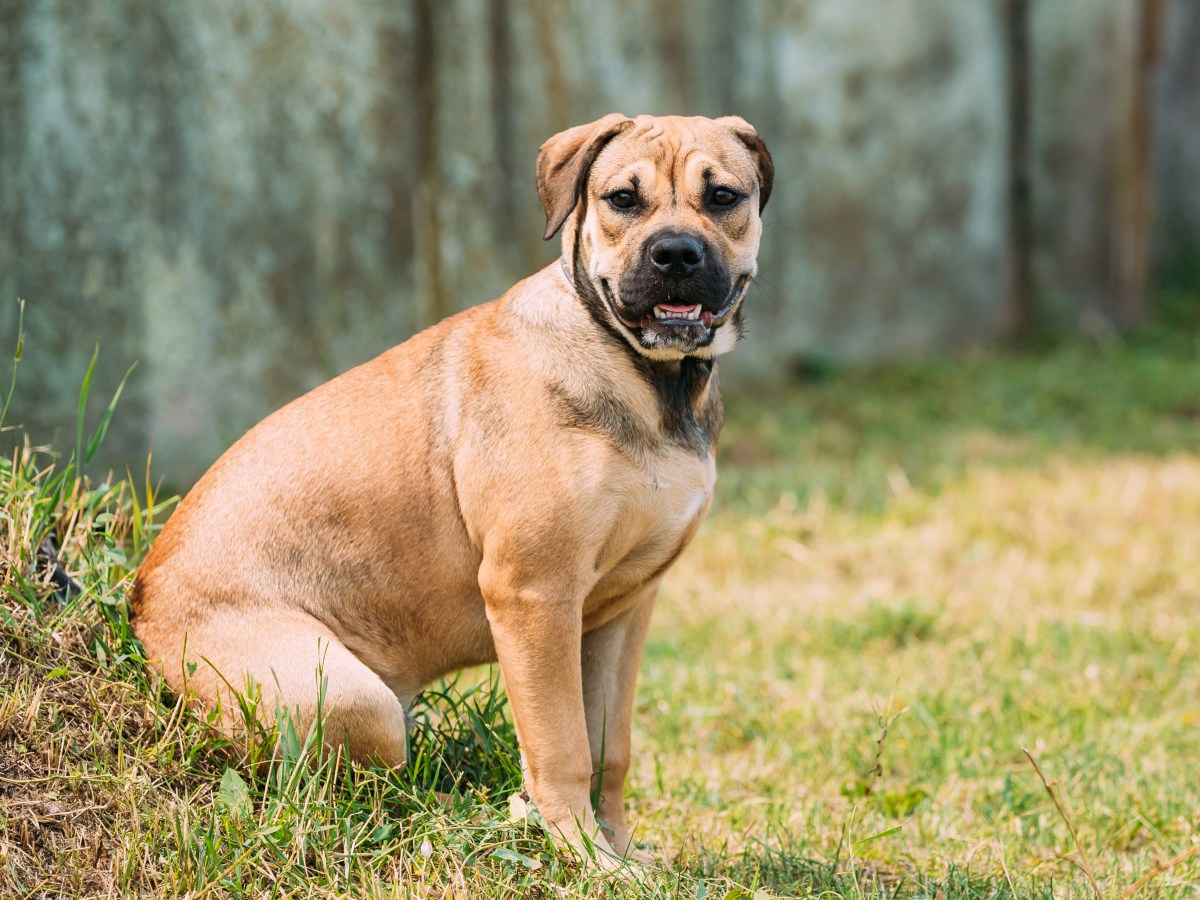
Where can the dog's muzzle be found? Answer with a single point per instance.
(676, 294)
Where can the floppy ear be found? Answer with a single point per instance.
(563, 163)
(745, 133)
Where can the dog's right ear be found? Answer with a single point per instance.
(563, 163)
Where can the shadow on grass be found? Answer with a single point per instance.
(460, 737)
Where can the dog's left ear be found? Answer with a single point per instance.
(745, 133)
(563, 163)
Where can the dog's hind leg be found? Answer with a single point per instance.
(291, 662)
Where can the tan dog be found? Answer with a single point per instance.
(510, 484)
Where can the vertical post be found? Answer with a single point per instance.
(431, 287)
(1129, 238)
(1021, 306)
(507, 174)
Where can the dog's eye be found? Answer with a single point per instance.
(724, 197)
(622, 199)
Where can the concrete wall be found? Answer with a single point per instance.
(249, 197)
(1177, 141)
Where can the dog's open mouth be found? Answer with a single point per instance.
(679, 315)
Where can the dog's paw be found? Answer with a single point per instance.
(644, 858)
(631, 866)
(627, 850)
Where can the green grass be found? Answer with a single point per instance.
(911, 575)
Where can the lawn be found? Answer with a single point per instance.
(918, 581)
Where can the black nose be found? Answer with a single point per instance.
(679, 255)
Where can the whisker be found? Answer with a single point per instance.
(768, 289)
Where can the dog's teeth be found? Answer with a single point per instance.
(691, 313)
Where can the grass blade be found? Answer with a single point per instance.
(16, 361)
(98, 438)
(84, 390)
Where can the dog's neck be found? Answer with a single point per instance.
(686, 399)
(689, 401)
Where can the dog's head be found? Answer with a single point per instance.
(661, 224)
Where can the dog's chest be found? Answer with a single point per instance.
(660, 511)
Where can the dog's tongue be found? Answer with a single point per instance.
(677, 307)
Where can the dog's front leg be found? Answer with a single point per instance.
(611, 656)
(537, 632)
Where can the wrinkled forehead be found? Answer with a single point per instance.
(675, 150)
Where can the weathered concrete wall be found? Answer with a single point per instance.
(249, 197)
(1177, 140)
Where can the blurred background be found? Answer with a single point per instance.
(248, 198)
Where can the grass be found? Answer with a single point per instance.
(917, 582)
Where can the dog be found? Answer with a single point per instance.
(510, 484)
